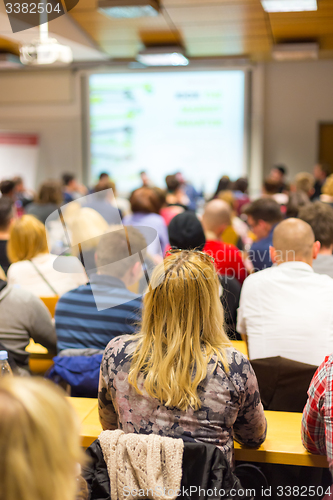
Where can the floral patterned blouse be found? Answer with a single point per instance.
(231, 406)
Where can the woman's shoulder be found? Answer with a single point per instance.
(120, 348)
(240, 370)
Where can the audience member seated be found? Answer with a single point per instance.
(48, 200)
(102, 201)
(32, 266)
(317, 430)
(176, 196)
(24, 316)
(228, 260)
(186, 233)
(237, 233)
(224, 184)
(272, 189)
(180, 376)
(23, 196)
(240, 192)
(6, 220)
(85, 227)
(7, 188)
(304, 182)
(40, 448)
(278, 174)
(93, 314)
(145, 205)
(327, 191)
(262, 217)
(296, 200)
(320, 173)
(71, 188)
(286, 310)
(320, 217)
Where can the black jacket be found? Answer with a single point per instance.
(204, 466)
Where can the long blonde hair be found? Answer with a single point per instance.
(39, 441)
(27, 239)
(182, 329)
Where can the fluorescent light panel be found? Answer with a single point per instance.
(129, 8)
(295, 51)
(162, 56)
(289, 5)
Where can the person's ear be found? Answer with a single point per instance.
(316, 249)
(272, 254)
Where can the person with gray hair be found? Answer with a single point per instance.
(89, 316)
(286, 310)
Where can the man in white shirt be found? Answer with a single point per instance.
(286, 310)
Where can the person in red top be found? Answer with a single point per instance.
(228, 259)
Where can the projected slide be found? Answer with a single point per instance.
(162, 123)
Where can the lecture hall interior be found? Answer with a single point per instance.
(255, 88)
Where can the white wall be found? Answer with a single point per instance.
(297, 97)
(47, 103)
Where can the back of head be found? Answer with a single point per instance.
(217, 213)
(296, 200)
(27, 239)
(327, 188)
(39, 441)
(293, 240)
(241, 185)
(7, 187)
(6, 213)
(173, 183)
(185, 232)
(271, 186)
(182, 328)
(115, 248)
(101, 188)
(326, 168)
(265, 209)
(320, 217)
(304, 181)
(67, 178)
(50, 192)
(86, 226)
(145, 200)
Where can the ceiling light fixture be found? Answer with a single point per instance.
(163, 56)
(129, 8)
(289, 5)
(295, 51)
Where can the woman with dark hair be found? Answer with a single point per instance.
(146, 204)
(49, 199)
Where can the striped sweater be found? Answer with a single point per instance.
(91, 315)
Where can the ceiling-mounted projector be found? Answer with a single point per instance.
(47, 51)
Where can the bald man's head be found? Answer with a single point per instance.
(293, 239)
(217, 216)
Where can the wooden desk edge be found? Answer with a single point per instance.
(276, 457)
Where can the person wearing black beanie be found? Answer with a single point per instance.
(185, 232)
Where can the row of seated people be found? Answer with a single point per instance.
(182, 312)
(179, 376)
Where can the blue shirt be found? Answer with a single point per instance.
(259, 253)
(79, 323)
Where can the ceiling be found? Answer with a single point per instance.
(210, 28)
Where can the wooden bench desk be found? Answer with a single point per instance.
(283, 444)
(40, 360)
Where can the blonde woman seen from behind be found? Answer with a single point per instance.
(32, 265)
(180, 376)
(39, 442)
